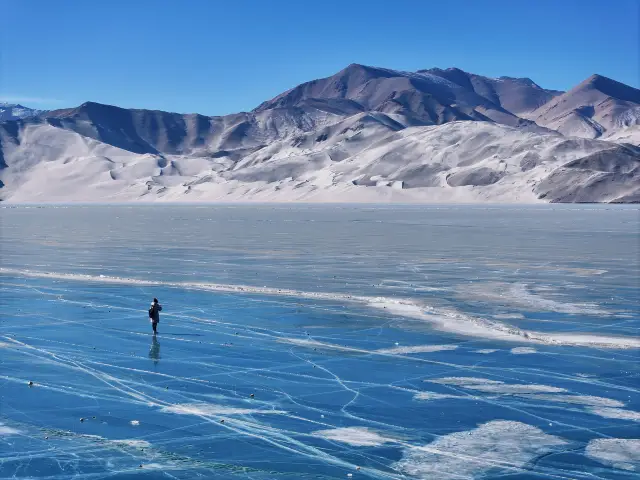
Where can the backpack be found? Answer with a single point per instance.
(151, 311)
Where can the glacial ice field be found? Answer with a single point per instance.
(448, 342)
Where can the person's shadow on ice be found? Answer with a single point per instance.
(154, 351)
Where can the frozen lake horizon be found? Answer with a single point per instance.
(320, 341)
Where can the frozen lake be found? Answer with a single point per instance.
(320, 342)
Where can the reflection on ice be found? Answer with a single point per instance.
(154, 350)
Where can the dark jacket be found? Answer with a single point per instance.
(155, 314)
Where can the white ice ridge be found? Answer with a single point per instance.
(445, 319)
(620, 453)
(357, 436)
(498, 445)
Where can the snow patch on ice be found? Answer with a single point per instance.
(588, 400)
(486, 351)
(131, 443)
(510, 389)
(617, 413)
(497, 445)
(435, 396)
(620, 453)
(464, 381)
(495, 386)
(518, 294)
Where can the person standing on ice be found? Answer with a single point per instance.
(154, 314)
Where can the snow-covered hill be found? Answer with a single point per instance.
(363, 135)
(14, 111)
(597, 107)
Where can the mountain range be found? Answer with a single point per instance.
(365, 134)
(15, 111)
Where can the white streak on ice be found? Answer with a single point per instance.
(417, 349)
(6, 431)
(358, 436)
(464, 381)
(523, 350)
(515, 388)
(588, 400)
(495, 386)
(437, 396)
(208, 409)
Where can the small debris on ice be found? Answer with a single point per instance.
(134, 422)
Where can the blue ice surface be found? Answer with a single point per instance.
(153, 406)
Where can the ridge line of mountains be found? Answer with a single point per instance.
(365, 134)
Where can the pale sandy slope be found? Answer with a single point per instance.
(363, 158)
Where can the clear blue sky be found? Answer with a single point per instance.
(216, 56)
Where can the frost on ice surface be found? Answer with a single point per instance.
(618, 452)
(497, 445)
(357, 436)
